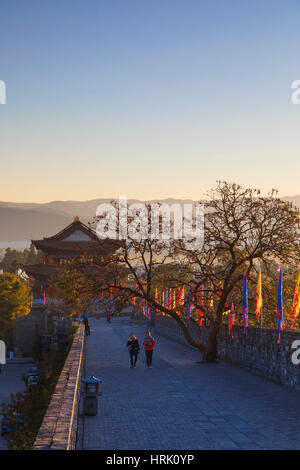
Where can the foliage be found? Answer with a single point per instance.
(170, 273)
(243, 232)
(33, 404)
(76, 290)
(14, 259)
(70, 287)
(14, 300)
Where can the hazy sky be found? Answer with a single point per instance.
(147, 98)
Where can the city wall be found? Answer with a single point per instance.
(59, 427)
(256, 350)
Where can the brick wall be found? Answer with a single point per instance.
(257, 350)
(26, 329)
(59, 427)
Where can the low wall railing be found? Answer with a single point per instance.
(256, 350)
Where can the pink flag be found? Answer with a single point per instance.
(231, 320)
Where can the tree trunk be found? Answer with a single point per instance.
(212, 344)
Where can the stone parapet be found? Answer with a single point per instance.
(256, 350)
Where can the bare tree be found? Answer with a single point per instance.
(243, 232)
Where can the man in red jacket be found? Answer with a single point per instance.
(149, 343)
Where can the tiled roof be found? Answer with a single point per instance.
(80, 247)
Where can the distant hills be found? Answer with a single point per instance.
(295, 200)
(23, 222)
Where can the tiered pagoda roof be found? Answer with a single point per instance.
(43, 271)
(76, 240)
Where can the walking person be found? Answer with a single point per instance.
(149, 343)
(133, 348)
(86, 326)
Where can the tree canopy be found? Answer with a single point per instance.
(14, 259)
(14, 300)
(244, 232)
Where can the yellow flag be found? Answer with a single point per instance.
(258, 296)
(174, 299)
(296, 301)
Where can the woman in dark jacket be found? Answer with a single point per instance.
(133, 348)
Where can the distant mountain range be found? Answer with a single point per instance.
(22, 222)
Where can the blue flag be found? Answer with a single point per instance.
(245, 303)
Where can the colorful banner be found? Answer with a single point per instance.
(245, 303)
(169, 299)
(296, 301)
(279, 306)
(174, 299)
(188, 305)
(231, 320)
(258, 306)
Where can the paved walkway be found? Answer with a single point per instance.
(179, 404)
(11, 382)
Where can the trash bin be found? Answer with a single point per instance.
(91, 394)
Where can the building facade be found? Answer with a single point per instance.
(76, 241)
